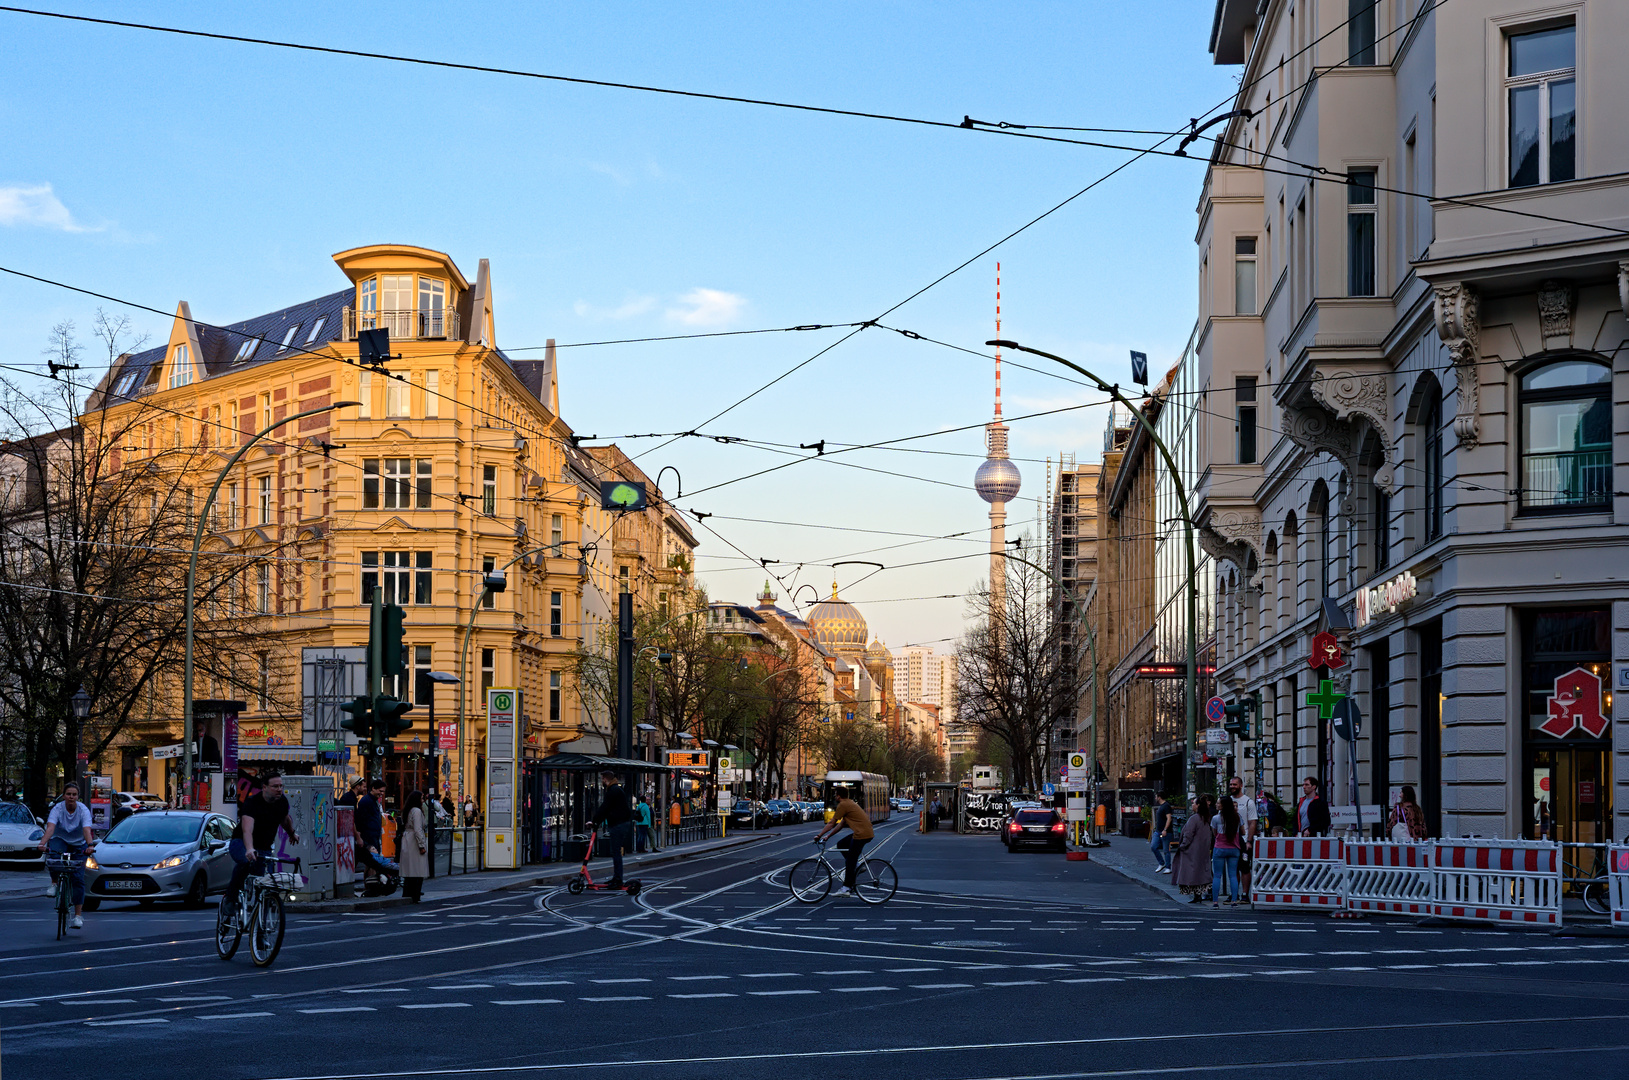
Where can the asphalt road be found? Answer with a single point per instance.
(985, 965)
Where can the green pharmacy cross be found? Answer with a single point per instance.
(1326, 699)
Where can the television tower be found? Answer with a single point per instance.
(997, 483)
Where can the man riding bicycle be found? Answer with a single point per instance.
(68, 832)
(848, 814)
(265, 812)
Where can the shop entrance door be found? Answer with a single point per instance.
(1570, 799)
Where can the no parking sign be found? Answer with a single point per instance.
(1215, 710)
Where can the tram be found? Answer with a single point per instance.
(870, 791)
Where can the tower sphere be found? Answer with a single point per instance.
(997, 480)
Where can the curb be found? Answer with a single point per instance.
(558, 877)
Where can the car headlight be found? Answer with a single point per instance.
(90, 863)
(173, 860)
(36, 836)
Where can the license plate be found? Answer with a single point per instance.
(1035, 828)
(123, 884)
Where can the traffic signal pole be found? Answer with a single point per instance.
(376, 675)
(625, 659)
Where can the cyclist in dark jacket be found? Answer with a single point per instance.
(618, 817)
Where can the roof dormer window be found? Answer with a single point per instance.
(126, 384)
(246, 350)
(316, 328)
(288, 338)
(181, 367)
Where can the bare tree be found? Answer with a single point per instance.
(1010, 679)
(95, 523)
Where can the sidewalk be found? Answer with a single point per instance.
(460, 886)
(1131, 858)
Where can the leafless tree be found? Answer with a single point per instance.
(1010, 680)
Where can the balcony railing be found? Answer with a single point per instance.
(1568, 480)
(430, 325)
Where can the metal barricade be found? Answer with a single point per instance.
(1389, 878)
(1298, 872)
(1498, 881)
(1617, 882)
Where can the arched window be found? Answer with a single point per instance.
(1431, 465)
(1566, 436)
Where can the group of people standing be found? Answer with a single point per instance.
(1210, 860)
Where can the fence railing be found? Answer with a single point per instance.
(690, 829)
(457, 851)
(409, 323)
(1568, 478)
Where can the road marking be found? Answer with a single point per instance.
(120, 1023)
(200, 997)
(618, 980)
(779, 993)
(861, 989)
(1016, 982)
(769, 975)
(842, 973)
(382, 990)
(693, 997)
(1408, 967)
(99, 1001)
(898, 970)
(1300, 953)
(941, 986)
(19, 1005)
(1476, 963)
(1104, 979)
(232, 1016)
(351, 1008)
(1357, 968)
(465, 986)
(529, 1001)
(634, 997)
(436, 1005)
(1223, 975)
(695, 978)
(538, 982)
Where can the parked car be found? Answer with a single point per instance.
(161, 855)
(126, 803)
(746, 814)
(1034, 826)
(784, 812)
(20, 833)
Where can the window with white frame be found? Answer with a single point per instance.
(397, 396)
(489, 490)
(288, 338)
(1361, 209)
(557, 614)
(1541, 85)
(432, 307)
(489, 563)
(1244, 405)
(554, 699)
(403, 575)
(557, 533)
(1244, 275)
(432, 394)
(181, 367)
(364, 394)
(316, 328)
(263, 588)
(265, 497)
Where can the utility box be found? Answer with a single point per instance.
(311, 805)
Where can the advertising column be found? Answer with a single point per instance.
(502, 759)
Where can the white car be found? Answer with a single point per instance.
(20, 833)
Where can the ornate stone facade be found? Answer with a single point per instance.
(1235, 535)
(1555, 304)
(1458, 311)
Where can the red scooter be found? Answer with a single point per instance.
(585, 881)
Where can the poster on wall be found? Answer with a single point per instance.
(982, 811)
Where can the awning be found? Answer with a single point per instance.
(277, 753)
(597, 761)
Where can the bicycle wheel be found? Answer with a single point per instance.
(266, 933)
(227, 931)
(1595, 898)
(62, 906)
(810, 880)
(876, 881)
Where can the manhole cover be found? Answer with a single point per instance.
(973, 944)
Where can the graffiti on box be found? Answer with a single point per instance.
(983, 811)
(344, 843)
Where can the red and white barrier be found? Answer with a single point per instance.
(1389, 878)
(1298, 872)
(1498, 881)
(1617, 882)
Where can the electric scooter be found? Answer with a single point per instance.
(585, 881)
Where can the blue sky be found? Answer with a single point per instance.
(159, 168)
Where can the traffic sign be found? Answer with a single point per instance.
(1077, 776)
(1215, 736)
(1215, 709)
(1348, 720)
(1048, 789)
(1265, 749)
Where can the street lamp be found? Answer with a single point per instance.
(192, 582)
(80, 703)
(1190, 680)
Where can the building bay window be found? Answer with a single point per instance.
(1542, 100)
(1566, 436)
(403, 575)
(1361, 214)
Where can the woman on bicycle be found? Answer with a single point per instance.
(68, 832)
(847, 813)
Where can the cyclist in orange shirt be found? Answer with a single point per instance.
(848, 814)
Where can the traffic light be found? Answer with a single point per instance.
(388, 719)
(393, 631)
(359, 719)
(1237, 719)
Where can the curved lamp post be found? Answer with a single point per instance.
(1190, 680)
(192, 583)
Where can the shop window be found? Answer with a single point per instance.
(1566, 437)
(1566, 691)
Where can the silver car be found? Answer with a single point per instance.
(161, 855)
(20, 833)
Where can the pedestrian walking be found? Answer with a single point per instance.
(618, 817)
(1407, 824)
(1248, 817)
(469, 812)
(935, 811)
(359, 788)
(413, 847)
(1311, 813)
(1224, 857)
(642, 826)
(1191, 870)
(1159, 840)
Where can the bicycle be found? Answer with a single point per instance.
(259, 913)
(1590, 887)
(65, 864)
(810, 880)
